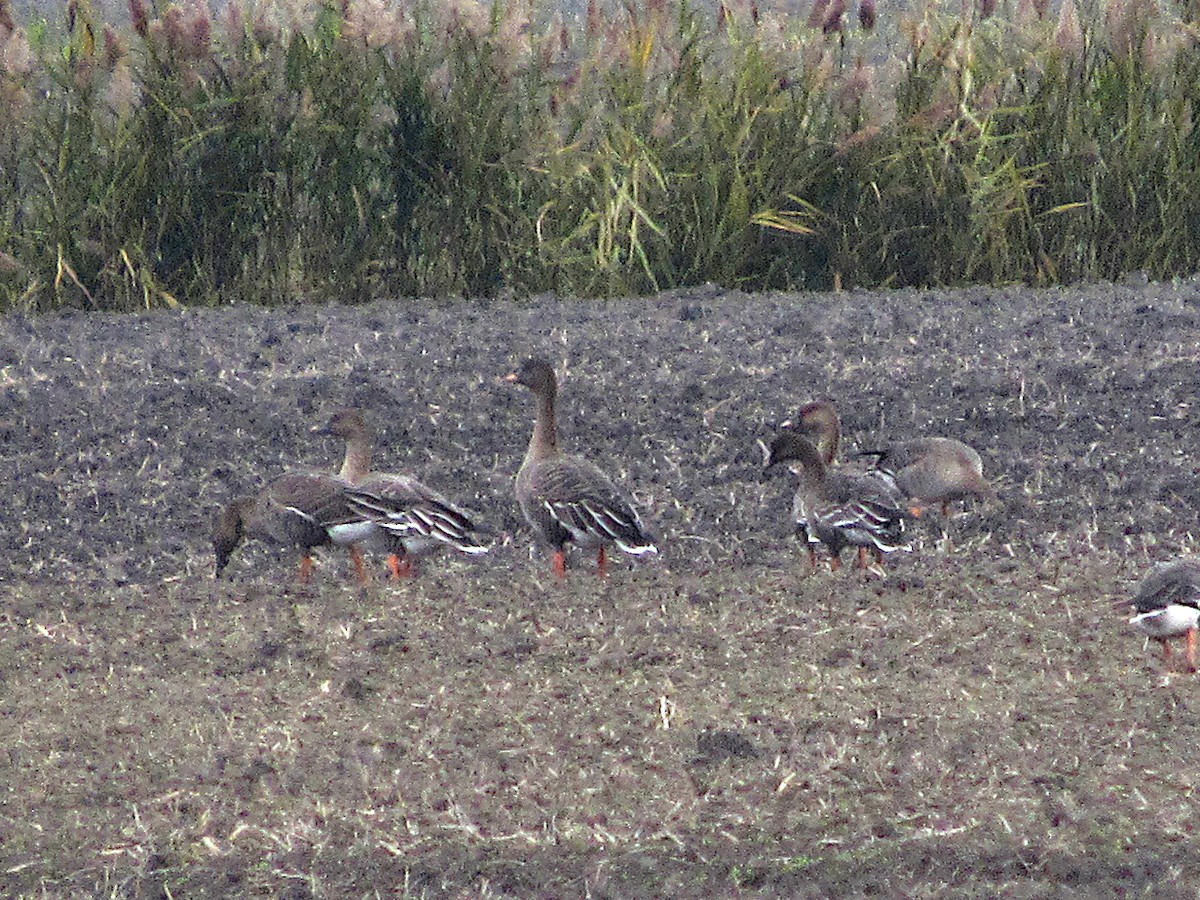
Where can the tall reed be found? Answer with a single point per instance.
(361, 148)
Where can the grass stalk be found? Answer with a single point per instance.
(423, 149)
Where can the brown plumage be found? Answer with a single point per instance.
(838, 509)
(297, 509)
(819, 422)
(351, 426)
(927, 471)
(934, 471)
(566, 498)
(410, 519)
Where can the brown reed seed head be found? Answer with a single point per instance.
(856, 85)
(199, 32)
(17, 60)
(1068, 38)
(866, 14)
(816, 18)
(173, 29)
(595, 18)
(139, 17)
(266, 33)
(114, 48)
(234, 25)
(835, 16)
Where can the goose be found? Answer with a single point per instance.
(297, 509)
(400, 514)
(565, 497)
(836, 509)
(1167, 603)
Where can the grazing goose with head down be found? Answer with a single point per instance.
(566, 498)
(297, 509)
(1167, 603)
(835, 509)
(409, 519)
(933, 470)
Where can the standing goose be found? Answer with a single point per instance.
(565, 497)
(296, 509)
(410, 519)
(819, 423)
(933, 470)
(1167, 603)
(836, 509)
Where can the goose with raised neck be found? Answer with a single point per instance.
(400, 514)
(564, 497)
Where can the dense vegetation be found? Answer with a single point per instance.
(428, 148)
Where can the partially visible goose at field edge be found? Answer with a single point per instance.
(296, 509)
(412, 520)
(566, 498)
(1167, 603)
(820, 423)
(839, 510)
(934, 470)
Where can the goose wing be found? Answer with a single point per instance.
(581, 499)
(301, 507)
(407, 509)
(864, 507)
(1169, 584)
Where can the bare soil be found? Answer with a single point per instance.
(715, 722)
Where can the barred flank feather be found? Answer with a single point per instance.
(415, 513)
(589, 517)
(882, 525)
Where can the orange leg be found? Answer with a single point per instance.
(862, 557)
(602, 562)
(401, 568)
(946, 509)
(560, 563)
(1191, 649)
(360, 567)
(877, 557)
(1166, 645)
(835, 563)
(812, 557)
(306, 569)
